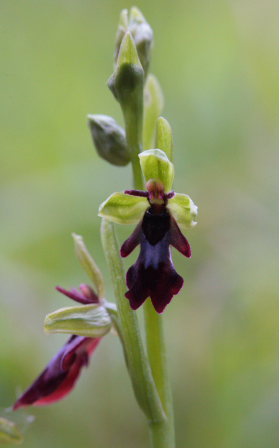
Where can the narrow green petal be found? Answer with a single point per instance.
(156, 165)
(9, 432)
(92, 321)
(183, 210)
(123, 208)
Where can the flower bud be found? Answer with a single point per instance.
(141, 32)
(143, 36)
(121, 30)
(109, 139)
(126, 82)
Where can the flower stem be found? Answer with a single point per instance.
(156, 349)
(133, 127)
(137, 363)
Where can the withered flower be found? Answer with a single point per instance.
(62, 372)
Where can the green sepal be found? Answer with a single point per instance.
(91, 321)
(156, 165)
(136, 16)
(164, 139)
(183, 210)
(153, 106)
(143, 37)
(109, 139)
(9, 432)
(89, 265)
(126, 82)
(123, 208)
(121, 30)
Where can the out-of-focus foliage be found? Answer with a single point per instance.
(9, 432)
(218, 64)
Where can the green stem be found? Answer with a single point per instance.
(156, 350)
(137, 363)
(133, 127)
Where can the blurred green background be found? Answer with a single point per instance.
(218, 64)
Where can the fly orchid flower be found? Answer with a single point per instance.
(59, 377)
(160, 213)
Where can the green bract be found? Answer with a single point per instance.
(183, 210)
(89, 265)
(164, 136)
(121, 30)
(127, 79)
(153, 106)
(92, 321)
(9, 432)
(123, 209)
(156, 165)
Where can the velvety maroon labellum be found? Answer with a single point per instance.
(153, 275)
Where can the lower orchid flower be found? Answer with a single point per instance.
(59, 377)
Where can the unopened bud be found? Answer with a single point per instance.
(121, 30)
(143, 36)
(109, 139)
(141, 32)
(126, 82)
